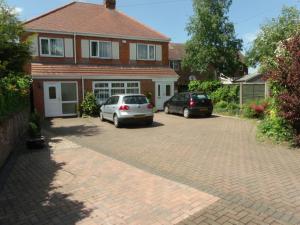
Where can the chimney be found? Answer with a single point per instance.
(110, 4)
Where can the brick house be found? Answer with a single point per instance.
(84, 47)
(176, 55)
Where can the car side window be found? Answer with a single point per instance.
(187, 97)
(115, 100)
(109, 101)
(181, 97)
(175, 98)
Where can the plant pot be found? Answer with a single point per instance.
(36, 143)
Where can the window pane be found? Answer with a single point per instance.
(68, 92)
(52, 92)
(105, 49)
(132, 85)
(69, 108)
(151, 52)
(101, 85)
(133, 91)
(117, 91)
(102, 95)
(57, 47)
(168, 90)
(117, 85)
(158, 87)
(45, 47)
(94, 50)
(142, 51)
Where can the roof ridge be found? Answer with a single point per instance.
(50, 12)
(148, 27)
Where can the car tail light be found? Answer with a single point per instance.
(150, 106)
(124, 107)
(192, 103)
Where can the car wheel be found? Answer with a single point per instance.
(166, 110)
(209, 114)
(116, 121)
(101, 116)
(186, 113)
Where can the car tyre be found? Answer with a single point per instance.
(149, 122)
(116, 121)
(166, 110)
(186, 113)
(101, 117)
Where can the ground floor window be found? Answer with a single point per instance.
(104, 89)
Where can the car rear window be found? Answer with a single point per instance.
(135, 100)
(199, 96)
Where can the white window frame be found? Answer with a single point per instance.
(148, 52)
(172, 65)
(110, 88)
(98, 50)
(49, 47)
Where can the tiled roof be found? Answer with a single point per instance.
(176, 51)
(54, 70)
(96, 19)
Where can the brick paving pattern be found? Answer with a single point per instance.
(256, 183)
(90, 188)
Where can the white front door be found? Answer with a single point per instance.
(163, 92)
(52, 99)
(60, 98)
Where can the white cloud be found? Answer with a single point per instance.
(17, 10)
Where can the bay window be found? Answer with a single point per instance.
(145, 52)
(101, 49)
(105, 89)
(53, 47)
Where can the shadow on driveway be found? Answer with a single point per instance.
(31, 195)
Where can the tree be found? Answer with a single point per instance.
(14, 54)
(213, 45)
(263, 49)
(285, 76)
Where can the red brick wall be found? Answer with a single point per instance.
(124, 52)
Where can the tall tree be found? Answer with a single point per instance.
(213, 44)
(272, 33)
(14, 54)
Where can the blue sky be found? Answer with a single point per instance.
(171, 16)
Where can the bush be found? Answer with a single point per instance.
(227, 93)
(275, 127)
(205, 86)
(255, 109)
(227, 108)
(14, 94)
(89, 106)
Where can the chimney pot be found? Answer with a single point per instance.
(110, 4)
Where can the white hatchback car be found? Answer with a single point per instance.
(122, 109)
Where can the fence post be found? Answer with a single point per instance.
(267, 93)
(241, 94)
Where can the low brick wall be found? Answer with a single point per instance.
(12, 131)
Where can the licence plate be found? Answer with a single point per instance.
(203, 109)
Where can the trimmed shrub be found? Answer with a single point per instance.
(227, 108)
(89, 106)
(227, 93)
(205, 86)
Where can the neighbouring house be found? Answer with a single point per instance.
(176, 55)
(83, 47)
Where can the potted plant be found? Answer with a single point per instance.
(35, 138)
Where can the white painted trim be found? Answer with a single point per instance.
(49, 46)
(99, 35)
(108, 77)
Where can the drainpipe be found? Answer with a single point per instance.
(75, 49)
(82, 87)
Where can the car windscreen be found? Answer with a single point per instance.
(131, 100)
(199, 96)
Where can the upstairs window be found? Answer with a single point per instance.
(145, 52)
(101, 49)
(175, 65)
(53, 47)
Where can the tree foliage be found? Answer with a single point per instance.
(263, 49)
(14, 54)
(286, 78)
(213, 43)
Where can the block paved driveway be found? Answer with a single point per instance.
(196, 171)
